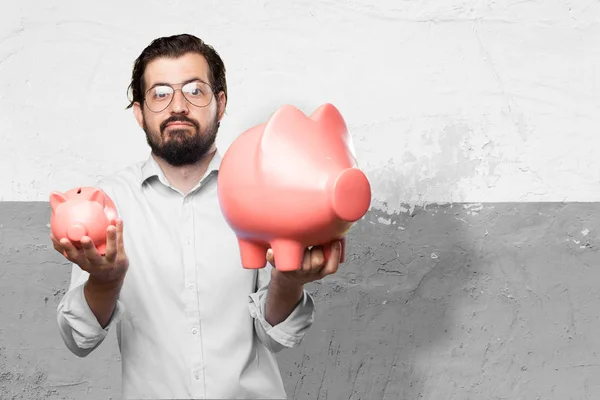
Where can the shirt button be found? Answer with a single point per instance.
(191, 286)
(196, 375)
(194, 331)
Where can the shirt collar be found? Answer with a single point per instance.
(150, 168)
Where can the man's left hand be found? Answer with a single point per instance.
(314, 266)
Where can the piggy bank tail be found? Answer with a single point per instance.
(76, 232)
(350, 195)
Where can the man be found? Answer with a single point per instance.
(191, 322)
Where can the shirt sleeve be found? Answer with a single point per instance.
(77, 324)
(291, 331)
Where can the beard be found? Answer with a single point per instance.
(179, 147)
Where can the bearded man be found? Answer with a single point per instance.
(191, 322)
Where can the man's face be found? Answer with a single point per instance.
(182, 133)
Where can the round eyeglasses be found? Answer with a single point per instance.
(160, 96)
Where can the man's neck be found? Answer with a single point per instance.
(185, 178)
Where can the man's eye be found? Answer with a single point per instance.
(194, 92)
(160, 92)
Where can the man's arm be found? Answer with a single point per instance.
(283, 325)
(281, 300)
(79, 327)
(283, 310)
(102, 298)
(91, 305)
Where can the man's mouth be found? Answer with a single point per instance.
(178, 123)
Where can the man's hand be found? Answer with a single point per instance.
(286, 287)
(108, 269)
(107, 272)
(314, 266)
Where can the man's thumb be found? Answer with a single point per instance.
(270, 257)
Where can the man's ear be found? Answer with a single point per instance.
(139, 116)
(222, 103)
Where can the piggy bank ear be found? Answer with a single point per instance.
(56, 198)
(287, 122)
(331, 120)
(97, 195)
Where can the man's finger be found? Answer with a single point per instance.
(334, 260)
(69, 250)
(120, 241)
(317, 257)
(57, 246)
(306, 261)
(90, 251)
(61, 250)
(270, 257)
(111, 244)
(54, 239)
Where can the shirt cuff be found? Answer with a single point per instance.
(288, 333)
(79, 324)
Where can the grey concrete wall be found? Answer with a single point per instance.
(463, 301)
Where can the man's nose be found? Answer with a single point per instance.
(179, 105)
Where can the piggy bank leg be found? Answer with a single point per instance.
(327, 249)
(288, 254)
(254, 255)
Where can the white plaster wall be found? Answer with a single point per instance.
(447, 100)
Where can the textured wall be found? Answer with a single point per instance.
(492, 301)
(453, 100)
(473, 275)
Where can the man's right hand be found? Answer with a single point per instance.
(109, 269)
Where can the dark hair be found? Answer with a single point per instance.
(176, 46)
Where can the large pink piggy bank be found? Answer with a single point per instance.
(292, 183)
(82, 211)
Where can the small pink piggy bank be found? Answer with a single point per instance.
(292, 183)
(82, 211)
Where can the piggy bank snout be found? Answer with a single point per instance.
(76, 232)
(351, 195)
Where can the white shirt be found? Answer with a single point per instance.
(190, 319)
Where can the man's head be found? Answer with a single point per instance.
(179, 93)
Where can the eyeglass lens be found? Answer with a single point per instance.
(159, 97)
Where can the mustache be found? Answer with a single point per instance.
(178, 118)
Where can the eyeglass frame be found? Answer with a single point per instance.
(181, 84)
